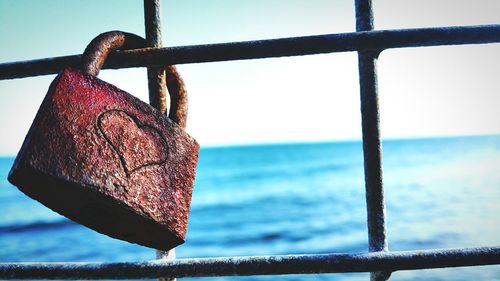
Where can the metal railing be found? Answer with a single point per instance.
(368, 43)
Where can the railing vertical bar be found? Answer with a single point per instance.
(372, 148)
(156, 75)
(156, 80)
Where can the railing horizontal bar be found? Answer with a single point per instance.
(296, 46)
(259, 265)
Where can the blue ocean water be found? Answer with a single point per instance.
(299, 198)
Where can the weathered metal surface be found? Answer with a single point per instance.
(109, 161)
(156, 75)
(97, 51)
(157, 80)
(295, 46)
(179, 100)
(372, 147)
(259, 265)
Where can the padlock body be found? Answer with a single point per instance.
(109, 161)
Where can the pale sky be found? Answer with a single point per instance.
(435, 91)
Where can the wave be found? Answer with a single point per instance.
(36, 226)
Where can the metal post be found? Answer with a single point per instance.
(254, 265)
(372, 147)
(269, 48)
(156, 80)
(156, 75)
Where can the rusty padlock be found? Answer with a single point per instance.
(107, 160)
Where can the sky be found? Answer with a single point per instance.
(423, 92)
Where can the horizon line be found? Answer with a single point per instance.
(322, 141)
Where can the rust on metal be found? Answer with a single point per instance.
(156, 74)
(107, 160)
(178, 96)
(97, 51)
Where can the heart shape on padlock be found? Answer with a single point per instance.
(138, 145)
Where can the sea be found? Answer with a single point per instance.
(298, 198)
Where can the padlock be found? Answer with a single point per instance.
(107, 160)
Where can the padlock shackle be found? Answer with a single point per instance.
(178, 96)
(97, 51)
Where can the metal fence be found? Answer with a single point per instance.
(368, 43)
